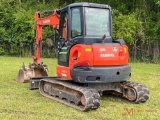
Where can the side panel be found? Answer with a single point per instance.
(110, 54)
(63, 72)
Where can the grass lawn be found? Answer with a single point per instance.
(17, 102)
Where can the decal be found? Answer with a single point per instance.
(102, 49)
(46, 21)
(64, 71)
(106, 55)
(64, 75)
(115, 49)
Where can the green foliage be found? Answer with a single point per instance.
(125, 27)
(17, 23)
(23, 26)
(134, 21)
(1, 51)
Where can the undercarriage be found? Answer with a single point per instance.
(85, 97)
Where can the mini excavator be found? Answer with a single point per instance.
(90, 62)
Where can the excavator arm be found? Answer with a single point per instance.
(37, 68)
(52, 20)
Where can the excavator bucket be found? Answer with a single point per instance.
(33, 70)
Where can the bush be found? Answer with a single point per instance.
(2, 51)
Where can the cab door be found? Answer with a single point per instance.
(63, 39)
(69, 32)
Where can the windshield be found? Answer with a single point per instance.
(97, 22)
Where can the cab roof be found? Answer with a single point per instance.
(87, 4)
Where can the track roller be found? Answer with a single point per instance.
(136, 92)
(73, 95)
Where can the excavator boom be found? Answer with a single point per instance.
(52, 20)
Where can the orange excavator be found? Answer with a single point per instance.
(90, 62)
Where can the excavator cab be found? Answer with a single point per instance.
(87, 52)
(83, 23)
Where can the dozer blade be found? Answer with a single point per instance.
(33, 70)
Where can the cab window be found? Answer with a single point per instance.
(76, 23)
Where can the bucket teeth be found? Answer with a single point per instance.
(23, 67)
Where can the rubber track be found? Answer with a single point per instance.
(91, 95)
(141, 90)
